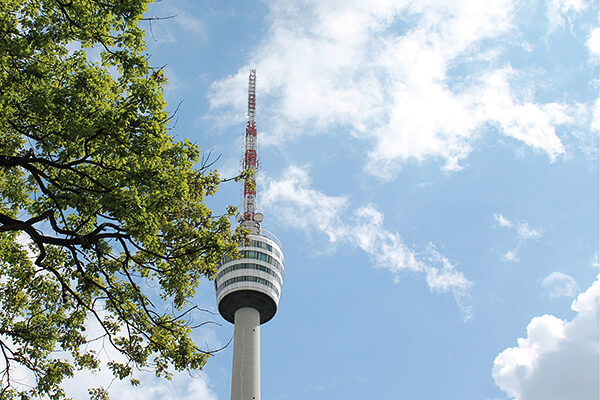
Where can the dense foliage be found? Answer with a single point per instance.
(99, 205)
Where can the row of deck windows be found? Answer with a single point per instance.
(257, 255)
(248, 279)
(250, 266)
(256, 243)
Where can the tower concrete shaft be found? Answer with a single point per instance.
(245, 380)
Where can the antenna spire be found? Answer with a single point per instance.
(250, 218)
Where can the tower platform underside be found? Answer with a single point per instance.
(230, 303)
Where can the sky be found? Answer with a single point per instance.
(432, 170)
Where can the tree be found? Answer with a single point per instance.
(107, 200)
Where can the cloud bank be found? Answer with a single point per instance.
(558, 360)
(414, 79)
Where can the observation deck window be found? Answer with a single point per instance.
(248, 279)
(258, 267)
(255, 255)
(267, 246)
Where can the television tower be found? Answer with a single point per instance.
(248, 289)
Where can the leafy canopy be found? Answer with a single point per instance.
(97, 200)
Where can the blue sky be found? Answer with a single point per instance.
(431, 168)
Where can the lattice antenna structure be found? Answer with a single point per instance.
(251, 218)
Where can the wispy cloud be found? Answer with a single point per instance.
(523, 232)
(295, 203)
(558, 284)
(596, 260)
(303, 207)
(502, 221)
(415, 79)
(562, 12)
(176, 26)
(511, 255)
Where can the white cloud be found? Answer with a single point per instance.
(21, 378)
(503, 221)
(520, 119)
(386, 71)
(596, 116)
(303, 207)
(523, 232)
(26, 243)
(593, 43)
(183, 386)
(559, 359)
(387, 248)
(596, 260)
(559, 12)
(511, 255)
(176, 26)
(297, 204)
(559, 284)
(447, 277)
(191, 24)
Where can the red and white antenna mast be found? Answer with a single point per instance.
(251, 218)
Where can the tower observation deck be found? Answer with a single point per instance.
(254, 280)
(248, 288)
